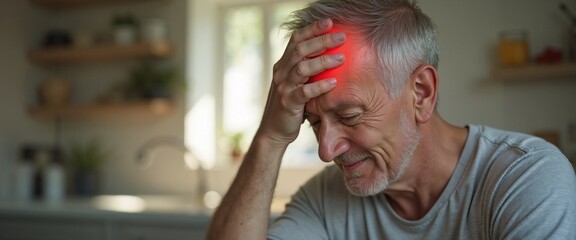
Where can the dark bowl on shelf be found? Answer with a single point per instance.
(57, 38)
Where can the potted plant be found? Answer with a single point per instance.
(236, 151)
(149, 81)
(125, 29)
(84, 161)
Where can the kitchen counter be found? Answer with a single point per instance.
(110, 218)
(111, 206)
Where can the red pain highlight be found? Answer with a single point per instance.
(336, 72)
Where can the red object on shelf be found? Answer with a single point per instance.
(549, 55)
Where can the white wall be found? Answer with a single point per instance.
(467, 34)
(468, 38)
(15, 126)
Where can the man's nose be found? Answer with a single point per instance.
(332, 142)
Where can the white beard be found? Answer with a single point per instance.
(381, 181)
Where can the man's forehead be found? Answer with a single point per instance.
(333, 107)
(349, 94)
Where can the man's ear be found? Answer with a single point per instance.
(425, 92)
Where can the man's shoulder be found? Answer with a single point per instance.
(512, 140)
(512, 160)
(496, 147)
(526, 182)
(505, 160)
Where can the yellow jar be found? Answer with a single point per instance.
(514, 48)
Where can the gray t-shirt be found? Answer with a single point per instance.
(505, 186)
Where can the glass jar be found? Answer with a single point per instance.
(54, 92)
(514, 47)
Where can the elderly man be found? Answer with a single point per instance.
(363, 74)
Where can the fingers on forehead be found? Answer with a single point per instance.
(313, 30)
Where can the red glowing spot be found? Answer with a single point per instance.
(336, 72)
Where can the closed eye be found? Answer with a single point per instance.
(312, 119)
(351, 120)
(314, 123)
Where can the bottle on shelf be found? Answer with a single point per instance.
(24, 174)
(41, 161)
(54, 184)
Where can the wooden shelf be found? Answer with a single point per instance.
(543, 71)
(157, 107)
(79, 3)
(100, 53)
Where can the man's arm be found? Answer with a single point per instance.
(245, 209)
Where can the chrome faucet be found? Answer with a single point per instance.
(191, 160)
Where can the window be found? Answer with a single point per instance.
(250, 41)
(253, 42)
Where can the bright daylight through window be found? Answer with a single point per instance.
(238, 46)
(252, 43)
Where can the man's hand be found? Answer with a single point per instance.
(245, 210)
(289, 90)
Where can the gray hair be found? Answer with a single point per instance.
(397, 30)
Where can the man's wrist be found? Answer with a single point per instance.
(269, 142)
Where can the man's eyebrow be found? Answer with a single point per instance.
(337, 108)
(345, 105)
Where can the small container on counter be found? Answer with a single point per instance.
(54, 179)
(24, 174)
(41, 161)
